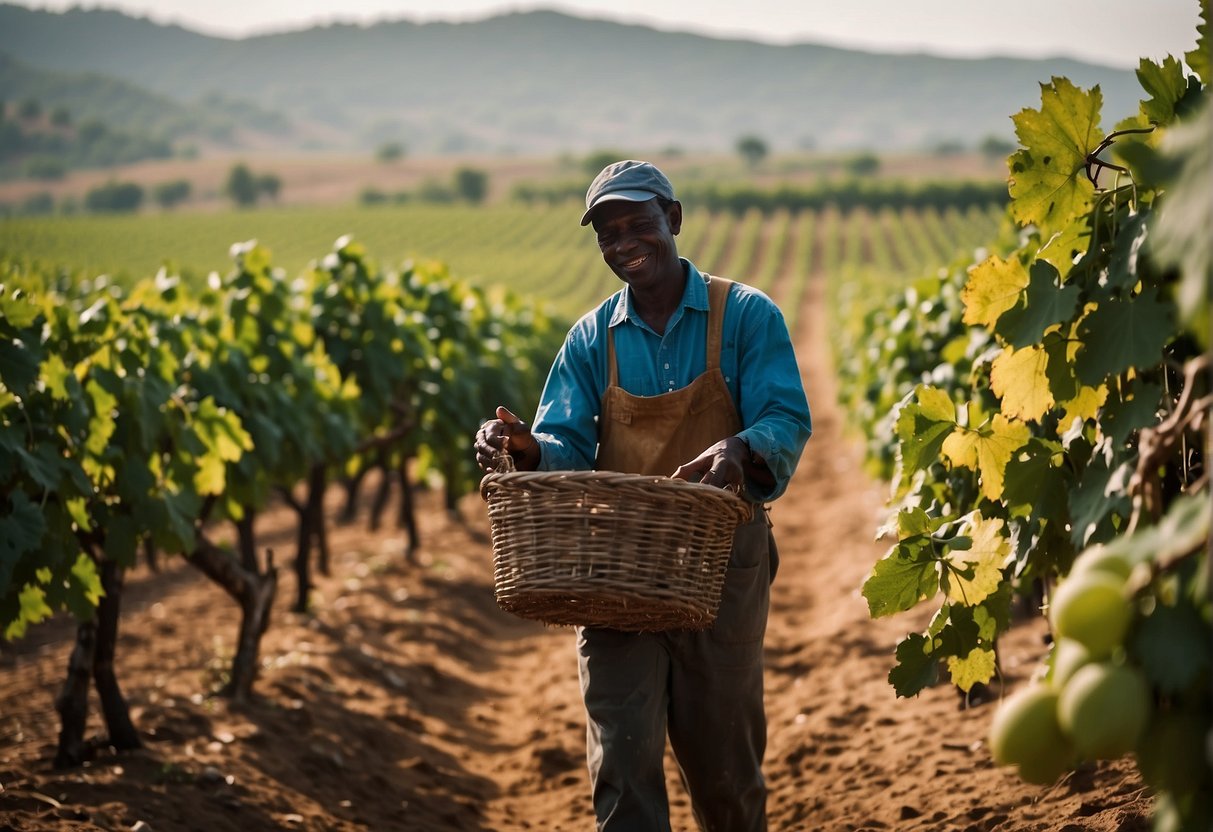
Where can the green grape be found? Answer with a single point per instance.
(1101, 558)
(1025, 732)
(1091, 608)
(1104, 708)
(1068, 656)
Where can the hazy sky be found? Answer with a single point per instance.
(1115, 32)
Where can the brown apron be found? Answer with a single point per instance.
(656, 434)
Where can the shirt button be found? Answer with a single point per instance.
(667, 366)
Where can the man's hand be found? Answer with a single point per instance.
(727, 464)
(507, 432)
(723, 465)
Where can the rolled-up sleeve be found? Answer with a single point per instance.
(566, 423)
(772, 405)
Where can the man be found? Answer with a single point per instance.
(695, 377)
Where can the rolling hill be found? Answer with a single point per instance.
(544, 81)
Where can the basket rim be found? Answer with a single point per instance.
(723, 497)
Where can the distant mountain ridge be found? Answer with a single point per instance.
(544, 81)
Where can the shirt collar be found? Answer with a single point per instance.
(694, 296)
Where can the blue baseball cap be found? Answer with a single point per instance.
(628, 180)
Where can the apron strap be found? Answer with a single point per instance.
(718, 296)
(613, 380)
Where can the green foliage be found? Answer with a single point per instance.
(114, 197)
(471, 184)
(389, 152)
(862, 164)
(143, 414)
(847, 195)
(45, 167)
(995, 147)
(173, 193)
(1060, 413)
(241, 186)
(752, 150)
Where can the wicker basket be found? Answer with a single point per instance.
(604, 549)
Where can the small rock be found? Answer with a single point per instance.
(211, 776)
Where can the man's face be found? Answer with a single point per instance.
(637, 241)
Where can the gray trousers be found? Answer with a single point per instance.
(703, 688)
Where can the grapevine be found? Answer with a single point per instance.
(154, 415)
(1059, 426)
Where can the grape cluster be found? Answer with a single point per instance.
(1098, 702)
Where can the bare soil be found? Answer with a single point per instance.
(407, 700)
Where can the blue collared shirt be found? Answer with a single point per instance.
(756, 359)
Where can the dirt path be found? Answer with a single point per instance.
(409, 701)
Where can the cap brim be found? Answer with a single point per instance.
(614, 196)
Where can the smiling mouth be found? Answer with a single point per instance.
(632, 265)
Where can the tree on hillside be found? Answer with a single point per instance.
(269, 184)
(752, 149)
(471, 184)
(170, 194)
(241, 185)
(114, 197)
(862, 164)
(389, 152)
(995, 147)
(29, 109)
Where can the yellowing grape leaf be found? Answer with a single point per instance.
(1084, 406)
(972, 575)
(1048, 182)
(55, 375)
(987, 450)
(1060, 248)
(977, 667)
(1166, 85)
(1019, 379)
(993, 287)
(1198, 58)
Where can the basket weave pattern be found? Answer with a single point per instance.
(605, 549)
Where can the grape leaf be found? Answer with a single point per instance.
(916, 667)
(901, 579)
(32, 608)
(1060, 248)
(55, 374)
(970, 576)
(1166, 85)
(1096, 498)
(922, 427)
(84, 589)
(1123, 333)
(1044, 304)
(17, 308)
(987, 450)
(1173, 646)
(1048, 182)
(1135, 409)
(1038, 483)
(1198, 58)
(1019, 379)
(1085, 404)
(993, 287)
(21, 531)
(976, 667)
(1123, 272)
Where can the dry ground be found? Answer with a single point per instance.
(408, 701)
